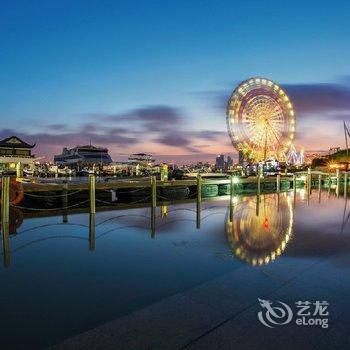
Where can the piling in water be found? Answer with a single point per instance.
(92, 192)
(199, 200)
(5, 219)
(154, 191)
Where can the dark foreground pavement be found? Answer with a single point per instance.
(222, 313)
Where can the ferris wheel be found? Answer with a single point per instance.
(261, 120)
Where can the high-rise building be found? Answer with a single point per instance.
(220, 162)
(229, 162)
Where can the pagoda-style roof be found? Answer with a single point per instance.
(15, 142)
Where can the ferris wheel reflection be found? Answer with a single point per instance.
(259, 230)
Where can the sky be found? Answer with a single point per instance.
(155, 76)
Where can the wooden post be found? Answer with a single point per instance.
(278, 184)
(5, 218)
(199, 200)
(232, 188)
(329, 184)
(319, 181)
(92, 225)
(92, 194)
(294, 189)
(231, 198)
(65, 202)
(319, 187)
(153, 205)
(338, 183)
(154, 191)
(5, 199)
(309, 180)
(345, 185)
(153, 221)
(258, 186)
(19, 170)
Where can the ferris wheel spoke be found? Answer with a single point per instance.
(275, 135)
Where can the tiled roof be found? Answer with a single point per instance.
(15, 142)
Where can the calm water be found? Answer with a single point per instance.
(56, 286)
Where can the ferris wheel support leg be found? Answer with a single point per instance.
(278, 183)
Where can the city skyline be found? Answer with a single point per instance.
(65, 82)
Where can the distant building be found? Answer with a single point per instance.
(144, 159)
(240, 158)
(229, 162)
(83, 156)
(220, 162)
(14, 153)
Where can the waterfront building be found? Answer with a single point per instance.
(15, 154)
(144, 159)
(81, 156)
(143, 163)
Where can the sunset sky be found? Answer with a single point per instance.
(154, 76)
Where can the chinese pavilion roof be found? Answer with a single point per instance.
(15, 142)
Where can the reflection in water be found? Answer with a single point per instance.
(346, 215)
(257, 228)
(16, 220)
(260, 230)
(10, 228)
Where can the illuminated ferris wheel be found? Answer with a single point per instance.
(261, 120)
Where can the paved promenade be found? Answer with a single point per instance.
(222, 313)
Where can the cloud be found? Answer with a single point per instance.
(177, 139)
(210, 134)
(163, 125)
(320, 98)
(327, 100)
(156, 129)
(151, 118)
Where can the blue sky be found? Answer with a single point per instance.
(72, 70)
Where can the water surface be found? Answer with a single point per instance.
(59, 282)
